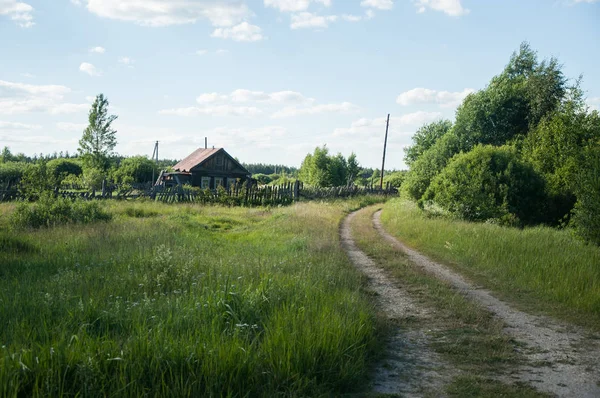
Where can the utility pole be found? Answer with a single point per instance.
(387, 125)
(155, 158)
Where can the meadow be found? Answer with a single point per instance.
(540, 269)
(172, 300)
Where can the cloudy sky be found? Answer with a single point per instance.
(268, 79)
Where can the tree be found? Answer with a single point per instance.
(59, 169)
(136, 169)
(99, 139)
(6, 155)
(338, 170)
(424, 138)
(353, 168)
(315, 168)
(586, 217)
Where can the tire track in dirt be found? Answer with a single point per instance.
(562, 360)
(409, 368)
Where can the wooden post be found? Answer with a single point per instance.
(387, 125)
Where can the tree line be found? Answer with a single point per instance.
(524, 150)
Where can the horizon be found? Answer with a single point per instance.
(268, 80)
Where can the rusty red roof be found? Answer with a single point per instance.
(195, 158)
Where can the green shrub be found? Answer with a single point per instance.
(489, 183)
(395, 178)
(586, 217)
(50, 211)
(136, 169)
(263, 179)
(59, 169)
(93, 177)
(11, 172)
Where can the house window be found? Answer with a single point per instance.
(205, 183)
(219, 160)
(231, 181)
(218, 181)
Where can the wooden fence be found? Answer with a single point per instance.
(235, 195)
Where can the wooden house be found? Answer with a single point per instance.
(210, 168)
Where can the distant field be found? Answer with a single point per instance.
(540, 268)
(183, 300)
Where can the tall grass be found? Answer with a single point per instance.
(183, 300)
(541, 268)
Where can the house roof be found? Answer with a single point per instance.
(200, 155)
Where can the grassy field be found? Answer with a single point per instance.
(540, 269)
(184, 300)
(464, 334)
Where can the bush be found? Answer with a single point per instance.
(11, 173)
(395, 178)
(136, 169)
(586, 216)
(50, 211)
(59, 169)
(263, 179)
(489, 183)
(92, 178)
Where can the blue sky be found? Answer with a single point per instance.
(269, 80)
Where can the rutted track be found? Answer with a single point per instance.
(410, 368)
(563, 361)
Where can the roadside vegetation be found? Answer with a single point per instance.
(183, 300)
(540, 268)
(522, 151)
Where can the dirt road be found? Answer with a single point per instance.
(562, 359)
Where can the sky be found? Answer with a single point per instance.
(268, 80)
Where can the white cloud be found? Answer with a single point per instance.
(586, 1)
(76, 2)
(294, 5)
(594, 103)
(23, 98)
(309, 20)
(201, 52)
(217, 104)
(451, 7)
(98, 50)
(242, 32)
(18, 126)
(217, 110)
(156, 13)
(208, 98)
(71, 127)
(19, 12)
(379, 4)
(221, 51)
(351, 18)
(90, 69)
(365, 127)
(243, 95)
(288, 96)
(444, 99)
(344, 107)
(126, 61)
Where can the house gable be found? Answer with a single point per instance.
(215, 160)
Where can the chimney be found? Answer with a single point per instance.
(205, 142)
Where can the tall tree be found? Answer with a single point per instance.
(353, 168)
(99, 138)
(424, 138)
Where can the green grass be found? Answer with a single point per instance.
(184, 300)
(540, 269)
(468, 337)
